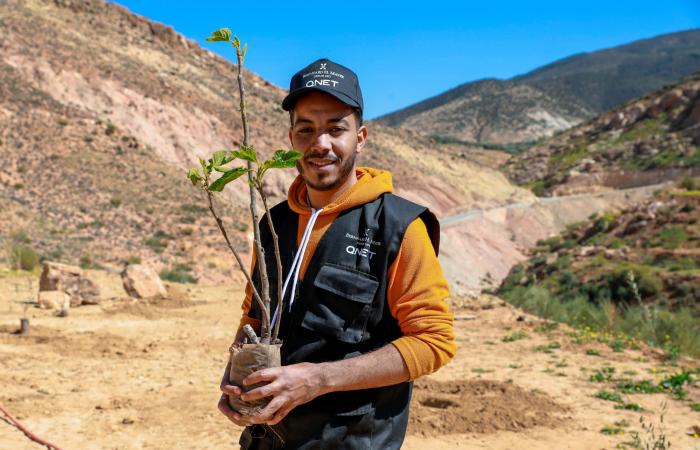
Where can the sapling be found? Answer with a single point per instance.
(263, 351)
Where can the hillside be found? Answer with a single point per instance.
(647, 140)
(96, 129)
(553, 97)
(635, 271)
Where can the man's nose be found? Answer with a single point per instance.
(322, 142)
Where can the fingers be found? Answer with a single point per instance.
(262, 375)
(229, 389)
(224, 378)
(232, 415)
(268, 390)
(269, 411)
(280, 414)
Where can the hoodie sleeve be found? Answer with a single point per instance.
(416, 296)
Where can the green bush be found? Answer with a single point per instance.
(179, 273)
(23, 257)
(669, 238)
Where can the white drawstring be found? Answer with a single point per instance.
(296, 264)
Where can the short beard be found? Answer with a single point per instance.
(347, 167)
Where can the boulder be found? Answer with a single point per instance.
(71, 280)
(54, 300)
(141, 281)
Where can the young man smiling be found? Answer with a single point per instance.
(366, 311)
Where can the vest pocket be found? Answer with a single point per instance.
(343, 303)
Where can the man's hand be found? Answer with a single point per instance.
(289, 387)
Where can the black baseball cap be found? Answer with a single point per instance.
(326, 76)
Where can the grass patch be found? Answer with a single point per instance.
(630, 407)
(654, 325)
(603, 375)
(548, 348)
(609, 396)
(515, 336)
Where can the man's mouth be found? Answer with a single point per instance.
(319, 163)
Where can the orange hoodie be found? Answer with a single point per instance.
(416, 288)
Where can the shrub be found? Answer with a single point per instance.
(157, 245)
(134, 259)
(178, 274)
(23, 257)
(689, 184)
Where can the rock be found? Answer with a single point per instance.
(71, 280)
(141, 281)
(644, 149)
(694, 117)
(587, 250)
(54, 300)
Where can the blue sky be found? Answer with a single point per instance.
(407, 51)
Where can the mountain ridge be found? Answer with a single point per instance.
(569, 90)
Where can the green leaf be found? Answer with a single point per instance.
(236, 42)
(226, 178)
(205, 167)
(246, 154)
(245, 49)
(282, 159)
(218, 158)
(220, 35)
(194, 176)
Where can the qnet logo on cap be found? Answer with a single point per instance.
(326, 76)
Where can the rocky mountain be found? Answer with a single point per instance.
(648, 140)
(102, 110)
(553, 97)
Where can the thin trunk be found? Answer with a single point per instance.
(265, 313)
(262, 267)
(275, 241)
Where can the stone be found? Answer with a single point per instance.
(54, 300)
(71, 280)
(141, 281)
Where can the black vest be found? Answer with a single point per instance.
(340, 308)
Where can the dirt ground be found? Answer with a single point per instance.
(145, 375)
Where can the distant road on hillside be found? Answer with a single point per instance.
(473, 213)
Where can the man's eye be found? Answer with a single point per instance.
(304, 130)
(337, 129)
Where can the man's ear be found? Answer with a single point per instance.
(361, 138)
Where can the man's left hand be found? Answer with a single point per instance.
(289, 387)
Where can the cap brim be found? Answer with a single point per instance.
(291, 99)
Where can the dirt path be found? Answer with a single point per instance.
(127, 375)
(622, 193)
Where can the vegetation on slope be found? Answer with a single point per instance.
(636, 272)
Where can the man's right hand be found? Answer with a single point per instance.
(230, 390)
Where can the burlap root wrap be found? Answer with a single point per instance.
(244, 361)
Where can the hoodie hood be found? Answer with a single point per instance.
(371, 183)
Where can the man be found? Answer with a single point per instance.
(366, 313)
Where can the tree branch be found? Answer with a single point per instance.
(265, 312)
(278, 259)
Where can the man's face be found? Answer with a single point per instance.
(325, 130)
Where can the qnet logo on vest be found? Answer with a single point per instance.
(323, 77)
(364, 244)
